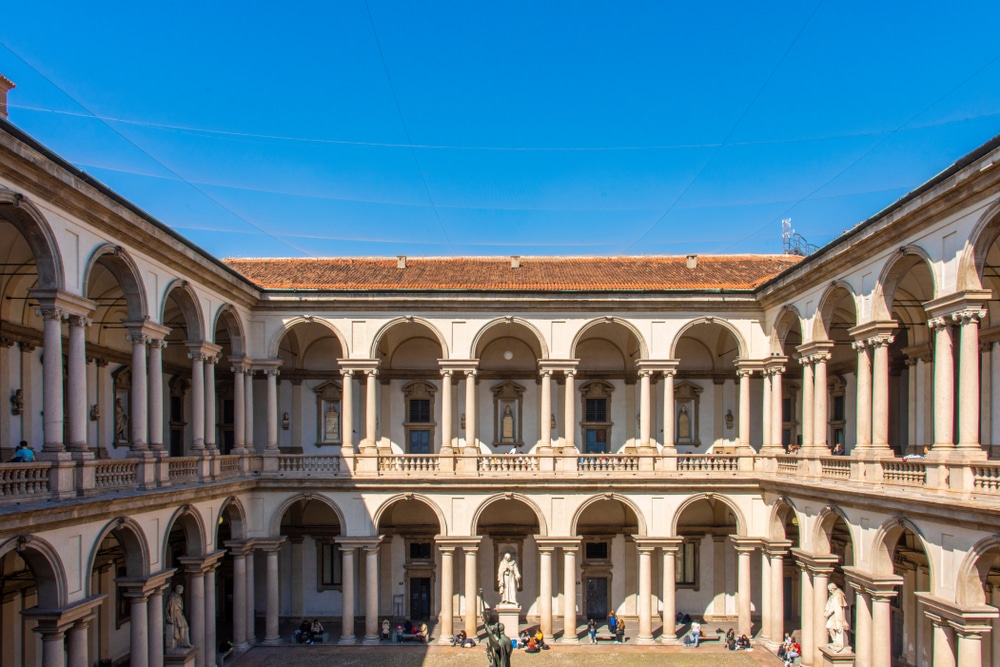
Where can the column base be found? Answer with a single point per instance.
(348, 640)
(179, 657)
(669, 641)
(646, 641)
(833, 659)
(372, 640)
(569, 640)
(271, 641)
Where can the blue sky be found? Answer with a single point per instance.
(491, 128)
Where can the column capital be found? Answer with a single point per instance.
(80, 321)
(874, 330)
(269, 544)
(62, 618)
(201, 350)
(459, 542)
(360, 366)
(968, 315)
(202, 564)
(240, 364)
(147, 328)
(65, 303)
(814, 563)
(668, 544)
(146, 586)
(665, 366)
(240, 548)
(267, 366)
(880, 586)
(566, 366)
(816, 349)
(775, 364)
(945, 306)
(968, 618)
(359, 542)
(746, 544)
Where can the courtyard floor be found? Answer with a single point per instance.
(584, 655)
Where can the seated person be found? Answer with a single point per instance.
(423, 632)
(523, 638)
(540, 640)
(532, 646)
(303, 634)
(743, 643)
(731, 640)
(316, 631)
(794, 651)
(459, 639)
(408, 627)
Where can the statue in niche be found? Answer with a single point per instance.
(17, 403)
(836, 617)
(508, 579)
(286, 422)
(180, 637)
(332, 426)
(507, 423)
(729, 420)
(684, 424)
(121, 422)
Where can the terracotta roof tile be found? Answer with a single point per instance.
(650, 273)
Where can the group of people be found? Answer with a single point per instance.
(734, 643)
(309, 633)
(23, 454)
(532, 643)
(462, 640)
(789, 650)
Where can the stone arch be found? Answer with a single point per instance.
(741, 523)
(29, 221)
(126, 272)
(623, 499)
(275, 345)
(131, 535)
(44, 562)
(783, 326)
(885, 542)
(227, 316)
(610, 319)
(779, 512)
(820, 538)
(543, 529)
(389, 502)
(237, 517)
(893, 272)
(827, 302)
(724, 323)
(982, 237)
(190, 308)
(275, 524)
(477, 339)
(972, 572)
(193, 526)
(373, 353)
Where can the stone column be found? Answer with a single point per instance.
(669, 439)
(808, 402)
(881, 629)
(970, 647)
(569, 410)
(239, 595)
(76, 382)
(210, 425)
(776, 422)
(154, 615)
(719, 575)
(994, 401)
(371, 412)
(347, 553)
(239, 410)
(944, 402)
(371, 589)
(447, 419)
(968, 380)
(139, 629)
(944, 652)
(669, 552)
(53, 639)
(880, 391)
(248, 409)
(296, 587)
(155, 391)
(545, 410)
(863, 628)
(447, 629)
(197, 397)
(347, 410)
(545, 589)
(777, 591)
(470, 410)
(196, 617)
(251, 598)
(52, 382)
(271, 634)
(806, 608)
(743, 588)
(765, 418)
(644, 405)
(744, 434)
(863, 436)
(210, 613)
(764, 635)
(471, 591)
(272, 410)
(821, 579)
(569, 594)
(820, 417)
(77, 647)
(645, 592)
(911, 405)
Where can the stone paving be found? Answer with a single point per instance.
(584, 655)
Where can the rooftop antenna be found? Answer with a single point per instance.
(792, 242)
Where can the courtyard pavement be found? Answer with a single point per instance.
(582, 655)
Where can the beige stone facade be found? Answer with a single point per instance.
(361, 454)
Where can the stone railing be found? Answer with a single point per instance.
(904, 473)
(309, 464)
(787, 465)
(708, 463)
(986, 478)
(607, 463)
(229, 466)
(183, 469)
(836, 467)
(408, 463)
(23, 480)
(508, 463)
(118, 474)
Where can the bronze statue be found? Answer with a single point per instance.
(498, 646)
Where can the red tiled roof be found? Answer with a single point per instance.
(652, 273)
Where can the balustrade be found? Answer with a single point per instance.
(120, 474)
(183, 469)
(18, 480)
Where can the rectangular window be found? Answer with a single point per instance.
(331, 565)
(597, 410)
(420, 442)
(686, 570)
(420, 551)
(420, 411)
(838, 408)
(786, 409)
(596, 551)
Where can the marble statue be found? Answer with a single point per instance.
(181, 635)
(836, 617)
(508, 579)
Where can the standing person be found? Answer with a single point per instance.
(612, 623)
(592, 631)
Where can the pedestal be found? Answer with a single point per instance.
(833, 659)
(510, 615)
(179, 657)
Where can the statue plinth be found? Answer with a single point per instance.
(833, 659)
(509, 613)
(179, 657)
